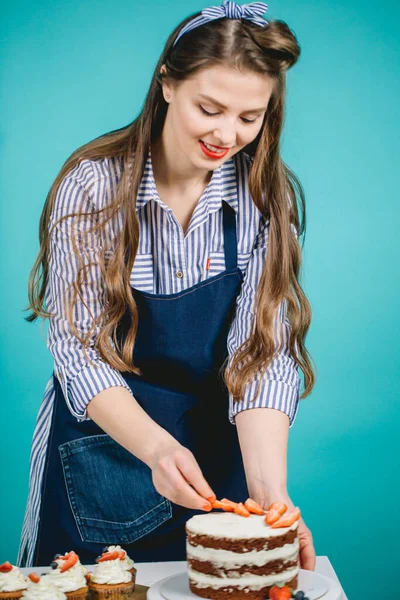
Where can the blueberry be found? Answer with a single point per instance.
(57, 556)
(299, 596)
(54, 565)
(97, 559)
(105, 549)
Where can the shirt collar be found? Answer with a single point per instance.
(222, 186)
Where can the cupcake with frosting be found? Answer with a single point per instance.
(109, 579)
(42, 588)
(127, 562)
(69, 575)
(12, 582)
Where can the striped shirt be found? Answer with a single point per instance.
(168, 260)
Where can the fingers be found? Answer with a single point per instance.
(191, 471)
(178, 477)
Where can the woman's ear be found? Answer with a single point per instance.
(165, 84)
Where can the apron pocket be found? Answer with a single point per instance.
(110, 491)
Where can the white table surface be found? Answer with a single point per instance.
(149, 573)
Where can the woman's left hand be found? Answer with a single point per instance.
(306, 550)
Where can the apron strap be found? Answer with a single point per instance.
(230, 239)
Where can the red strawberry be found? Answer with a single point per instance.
(272, 516)
(288, 520)
(241, 510)
(69, 562)
(280, 593)
(109, 556)
(5, 567)
(279, 506)
(253, 507)
(223, 505)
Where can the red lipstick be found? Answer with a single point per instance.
(214, 155)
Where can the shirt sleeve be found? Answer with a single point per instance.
(79, 380)
(280, 381)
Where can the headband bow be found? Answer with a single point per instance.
(228, 10)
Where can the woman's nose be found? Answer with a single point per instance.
(226, 135)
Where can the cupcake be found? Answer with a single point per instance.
(68, 575)
(127, 562)
(42, 588)
(12, 582)
(109, 579)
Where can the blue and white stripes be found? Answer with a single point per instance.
(230, 10)
(168, 261)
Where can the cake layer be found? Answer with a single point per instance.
(226, 558)
(273, 567)
(250, 582)
(243, 545)
(235, 593)
(239, 528)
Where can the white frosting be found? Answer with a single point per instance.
(110, 572)
(127, 562)
(251, 582)
(234, 527)
(44, 590)
(230, 560)
(71, 580)
(13, 581)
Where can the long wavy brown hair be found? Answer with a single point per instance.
(274, 188)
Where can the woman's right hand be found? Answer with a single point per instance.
(178, 477)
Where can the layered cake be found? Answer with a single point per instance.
(230, 556)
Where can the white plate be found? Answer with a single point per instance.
(176, 587)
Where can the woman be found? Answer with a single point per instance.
(167, 313)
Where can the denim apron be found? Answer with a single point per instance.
(96, 493)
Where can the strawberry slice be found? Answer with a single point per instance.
(232, 504)
(272, 516)
(288, 520)
(280, 593)
(33, 577)
(253, 507)
(241, 510)
(222, 505)
(69, 562)
(109, 556)
(5, 567)
(279, 506)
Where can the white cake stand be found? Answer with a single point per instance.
(176, 587)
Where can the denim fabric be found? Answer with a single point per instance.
(110, 491)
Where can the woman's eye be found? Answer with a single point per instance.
(206, 112)
(214, 114)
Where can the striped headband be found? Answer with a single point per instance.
(228, 10)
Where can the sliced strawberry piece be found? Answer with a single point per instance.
(6, 567)
(221, 504)
(232, 504)
(69, 562)
(241, 510)
(272, 516)
(279, 506)
(109, 556)
(33, 577)
(280, 593)
(253, 507)
(288, 520)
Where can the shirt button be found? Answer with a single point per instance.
(179, 274)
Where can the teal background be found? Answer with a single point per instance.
(73, 70)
